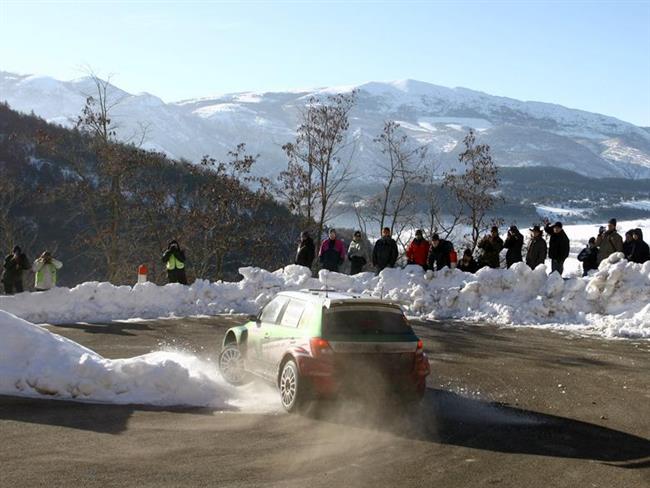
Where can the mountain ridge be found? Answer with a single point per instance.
(521, 133)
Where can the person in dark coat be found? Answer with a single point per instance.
(589, 257)
(174, 260)
(640, 251)
(384, 254)
(558, 246)
(491, 245)
(439, 253)
(418, 250)
(14, 266)
(306, 250)
(332, 252)
(514, 243)
(536, 253)
(628, 245)
(467, 262)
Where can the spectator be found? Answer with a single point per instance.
(558, 246)
(174, 260)
(12, 275)
(418, 250)
(358, 254)
(608, 241)
(536, 253)
(306, 250)
(491, 245)
(45, 269)
(514, 243)
(332, 252)
(628, 245)
(439, 253)
(589, 257)
(467, 262)
(640, 252)
(384, 254)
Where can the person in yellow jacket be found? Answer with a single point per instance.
(174, 260)
(45, 269)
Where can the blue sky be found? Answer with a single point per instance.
(583, 54)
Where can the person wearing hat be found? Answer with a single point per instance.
(385, 253)
(174, 260)
(45, 269)
(558, 246)
(439, 253)
(514, 242)
(467, 262)
(589, 257)
(640, 250)
(306, 250)
(491, 245)
(418, 250)
(358, 253)
(14, 266)
(332, 252)
(609, 241)
(536, 253)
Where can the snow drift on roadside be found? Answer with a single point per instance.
(612, 302)
(36, 363)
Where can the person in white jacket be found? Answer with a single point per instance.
(45, 268)
(357, 254)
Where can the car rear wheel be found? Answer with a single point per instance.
(231, 365)
(293, 389)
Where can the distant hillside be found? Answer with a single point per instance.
(522, 134)
(45, 207)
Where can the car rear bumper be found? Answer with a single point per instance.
(327, 378)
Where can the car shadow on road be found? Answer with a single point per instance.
(102, 418)
(447, 418)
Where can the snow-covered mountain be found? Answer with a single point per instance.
(520, 133)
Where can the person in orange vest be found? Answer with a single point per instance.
(174, 260)
(418, 250)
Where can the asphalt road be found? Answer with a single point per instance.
(504, 407)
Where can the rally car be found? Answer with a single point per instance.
(315, 344)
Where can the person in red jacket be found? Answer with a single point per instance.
(418, 250)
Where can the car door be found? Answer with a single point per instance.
(283, 335)
(260, 333)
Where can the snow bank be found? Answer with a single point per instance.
(612, 302)
(35, 362)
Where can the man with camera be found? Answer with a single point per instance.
(174, 260)
(608, 241)
(558, 245)
(45, 269)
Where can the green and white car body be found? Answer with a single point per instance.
(318, 344)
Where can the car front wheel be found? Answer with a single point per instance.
(293, 389)
(231, 365)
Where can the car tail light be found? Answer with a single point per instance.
(319, 346)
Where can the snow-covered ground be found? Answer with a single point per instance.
(612, 302)
(37, 363)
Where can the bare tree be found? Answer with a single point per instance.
(400, 170)
(317, 172)
(442, 214)
(475, 188)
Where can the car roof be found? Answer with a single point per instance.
(327, 298)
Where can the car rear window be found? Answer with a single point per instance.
(359, 320)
